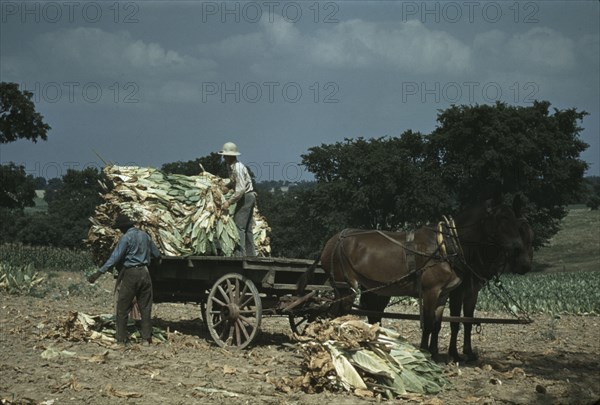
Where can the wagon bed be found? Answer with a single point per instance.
(234, 292)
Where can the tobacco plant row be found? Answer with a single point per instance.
(574, 292)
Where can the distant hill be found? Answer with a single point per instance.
(576, 247)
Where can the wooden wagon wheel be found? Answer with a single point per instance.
(233, 311)
(202, 307)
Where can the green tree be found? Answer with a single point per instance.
(72, 203)
(18, 117)
(17, 189)
(381, 183)
(592, 195)
(525, 150)
(18, 120)
(296, 226)
(41, 229)
(212, 163)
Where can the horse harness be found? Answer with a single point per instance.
(448, 249)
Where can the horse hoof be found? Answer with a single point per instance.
(470, 357)
(439, 358)
(457, 358)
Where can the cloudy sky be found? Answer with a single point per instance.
(152, 82)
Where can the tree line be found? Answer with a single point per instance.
(389, 183)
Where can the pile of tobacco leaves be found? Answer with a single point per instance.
(182, 214)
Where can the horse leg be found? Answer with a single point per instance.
(456, 301)
(372, 302)
(344, 298)
(437, 326)
(429, 312)
(469, 299)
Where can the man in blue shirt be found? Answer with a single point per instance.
(133, 253)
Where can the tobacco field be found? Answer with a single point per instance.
(554, 360)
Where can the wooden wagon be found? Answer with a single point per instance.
(234, 293)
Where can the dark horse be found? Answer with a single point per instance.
(465, 296)
(428, 263)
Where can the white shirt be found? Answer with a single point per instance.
(241, 180)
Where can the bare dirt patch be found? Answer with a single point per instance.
(555, 360)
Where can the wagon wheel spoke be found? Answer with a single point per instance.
(247, 321)
(216, 325)
(234, 311)
(230, 291)
(236, 292)
(243, 328)
(244, 290)
(203, 313)
(222, 328)
(218, 301)
(238, 335)
(224, 294)
(245, 304)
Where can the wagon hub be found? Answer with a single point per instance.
(231, 311)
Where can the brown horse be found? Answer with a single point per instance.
(427, 264)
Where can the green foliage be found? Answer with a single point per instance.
(476, 152)
(18, 118)
(523, 150)
(70, 202)
(382, 183)
(46, 258)
(594, 202)
(592, 197)
(17, 189)
(576, 247)
(296, 227)
(65, 223)
(20, 280)
(212, 163)
(553, 293)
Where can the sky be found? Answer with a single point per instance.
(152, 82)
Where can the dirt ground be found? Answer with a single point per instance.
(555, 360)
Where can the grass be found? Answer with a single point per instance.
(576, 247)
(40, 206)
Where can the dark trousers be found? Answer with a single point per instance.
(134, 283)
(244, 221)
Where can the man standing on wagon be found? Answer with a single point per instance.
(243, 196)
(133, 252)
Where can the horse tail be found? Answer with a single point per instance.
(306, 278)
